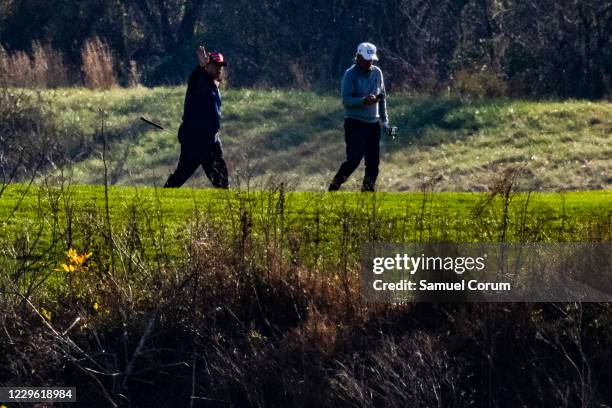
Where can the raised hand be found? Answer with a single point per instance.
(202, 55)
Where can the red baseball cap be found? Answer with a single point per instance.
(216, 58)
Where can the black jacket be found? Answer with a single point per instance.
(202, 111)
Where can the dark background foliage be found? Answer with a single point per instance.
(556, 48)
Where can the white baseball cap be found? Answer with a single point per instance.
(367, 51)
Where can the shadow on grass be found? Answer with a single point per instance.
(453, 119)
(154, 105)
(117, 143)
(303, 129)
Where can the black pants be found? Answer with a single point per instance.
(362, 141)
(209, 157)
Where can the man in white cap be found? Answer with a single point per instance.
(363, 97)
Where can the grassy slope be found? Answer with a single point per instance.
(462, 145)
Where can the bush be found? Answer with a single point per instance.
(28, 136)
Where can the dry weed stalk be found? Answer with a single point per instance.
(98, 65)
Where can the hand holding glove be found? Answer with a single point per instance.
(387, 130)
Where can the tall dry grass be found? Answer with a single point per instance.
(134, 75)
(98, 65)
(16, 69)
(45, 68)
(49, 65)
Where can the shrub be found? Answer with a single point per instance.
(28, 137)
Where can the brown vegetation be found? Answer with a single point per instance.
(44, 69)
(98, 65)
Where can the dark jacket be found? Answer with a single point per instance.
(202, 111)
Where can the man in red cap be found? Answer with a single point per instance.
(199, 131)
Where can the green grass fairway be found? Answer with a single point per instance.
(322, 225)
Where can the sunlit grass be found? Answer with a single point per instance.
(398, 217)
(563, 145)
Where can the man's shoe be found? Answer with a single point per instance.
(333, 187)
(367, 187)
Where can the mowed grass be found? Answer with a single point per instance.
(297, 136)
(326, 228)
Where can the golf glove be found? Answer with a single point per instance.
(389, 131)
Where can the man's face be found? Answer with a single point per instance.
(363, 63)
(215, 71)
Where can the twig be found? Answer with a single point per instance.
(141, 343)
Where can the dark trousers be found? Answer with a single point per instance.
(362, 141)
(209, 157)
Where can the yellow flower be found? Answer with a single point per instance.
(68, 268)
(82, 258)
(74, 260)
(96, 306)
(72, 254)
(46, 314)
